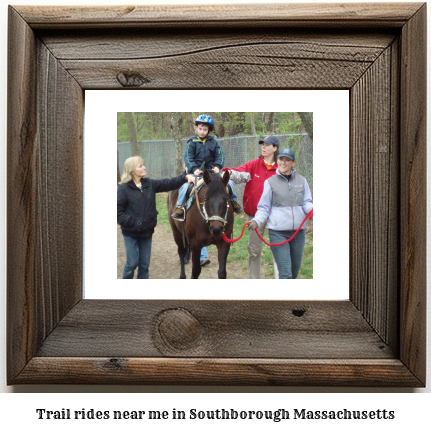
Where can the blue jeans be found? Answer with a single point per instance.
(183, 189)
(204, 253)
(232, 186)
(138, 253)
(182, 194)
(288, 256)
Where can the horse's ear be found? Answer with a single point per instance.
(207, 178)
(226, 177)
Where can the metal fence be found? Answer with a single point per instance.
(159, 155)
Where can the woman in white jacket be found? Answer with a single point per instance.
(285, 201)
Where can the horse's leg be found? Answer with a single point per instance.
(177, 232)
(223, 251)
(178, 237)
(182, 253)
(196, 260)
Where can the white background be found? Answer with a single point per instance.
(18, 410)
(330, 194)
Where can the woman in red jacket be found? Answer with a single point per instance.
(254, 173)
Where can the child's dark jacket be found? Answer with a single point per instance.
(198, 152)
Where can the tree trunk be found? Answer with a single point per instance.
(132, 133)
(307, 121)
(229, 123)
(267, 120)
(190, 124)
(253, 124)
(219, 128)
(176, 121)
(306, 150)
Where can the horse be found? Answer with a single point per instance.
(205, 226)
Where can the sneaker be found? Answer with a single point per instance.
(178, 214)
(205, 261)
(237, 208)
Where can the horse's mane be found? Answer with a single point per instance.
(216, 186)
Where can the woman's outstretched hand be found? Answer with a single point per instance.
(253, 225)
(190, 178)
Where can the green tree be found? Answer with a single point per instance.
(122, 131)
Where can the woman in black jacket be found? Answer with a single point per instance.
(137, 213)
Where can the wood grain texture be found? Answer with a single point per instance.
(376, 338)
(59, 182)
(413, 193)
(45, 106)
(21, 196)
(347, 45)
(374, 196)
(197, 371)
(235, 329)
(287, 15)
(224, 60)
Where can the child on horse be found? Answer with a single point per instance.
(203, 152)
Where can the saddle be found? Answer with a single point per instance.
(190, 194)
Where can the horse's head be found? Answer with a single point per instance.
(216, 202)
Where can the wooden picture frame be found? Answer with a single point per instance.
(376, 338)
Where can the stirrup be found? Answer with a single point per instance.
(178, 217)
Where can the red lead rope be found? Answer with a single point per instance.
(308, 216)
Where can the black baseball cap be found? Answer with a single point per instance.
(286, 152)
(271, 139)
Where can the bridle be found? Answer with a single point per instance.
(204, 213)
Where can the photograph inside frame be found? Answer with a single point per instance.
(215, 195)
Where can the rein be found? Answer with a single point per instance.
(308, 216)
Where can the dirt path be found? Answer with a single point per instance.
(165, 261)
